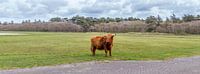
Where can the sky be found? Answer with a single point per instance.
(19, 10)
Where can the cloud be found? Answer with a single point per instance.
(45, 9)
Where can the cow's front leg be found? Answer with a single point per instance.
(106, 51)
(110, 53)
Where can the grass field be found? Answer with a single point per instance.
(51, 48)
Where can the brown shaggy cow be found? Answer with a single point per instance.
(102, 43)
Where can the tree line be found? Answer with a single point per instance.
(173, 24)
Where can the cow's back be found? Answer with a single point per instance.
(97, 42)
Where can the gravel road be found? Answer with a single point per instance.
(189, 65)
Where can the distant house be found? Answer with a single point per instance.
(196, 19)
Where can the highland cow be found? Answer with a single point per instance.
(102, 43)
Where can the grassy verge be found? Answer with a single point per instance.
(51, 48)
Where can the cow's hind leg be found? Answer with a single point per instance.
(93, 49)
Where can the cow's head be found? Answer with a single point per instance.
(109, 38)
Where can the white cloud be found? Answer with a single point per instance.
(45, 9)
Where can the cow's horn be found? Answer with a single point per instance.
(114, 34)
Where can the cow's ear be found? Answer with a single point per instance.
(112, 36)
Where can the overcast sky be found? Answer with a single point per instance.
(45, 9)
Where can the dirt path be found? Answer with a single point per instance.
(176, 66)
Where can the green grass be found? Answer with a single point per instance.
(51, 48)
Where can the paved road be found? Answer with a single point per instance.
(176, 66)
